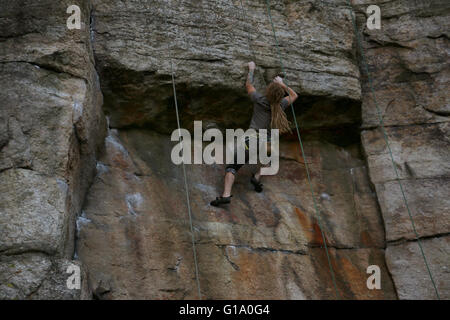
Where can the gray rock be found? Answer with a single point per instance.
(21, 276)
(409, 66)
(209, 43)
(411, 278)
(428, 202)
(51, 127)
(419, 152)
(33, 212)
(37, 276)
(133, 236)
(55, 285)
(44, 109)
(408, 60)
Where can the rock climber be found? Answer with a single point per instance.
(268, 113)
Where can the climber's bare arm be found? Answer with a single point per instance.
(292, 94)
(250, 78)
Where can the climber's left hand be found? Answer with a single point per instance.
(278, 80)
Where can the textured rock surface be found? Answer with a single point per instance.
(421, 154)
(132, 228)
(51, 124)
(136, 242)
(36, 276)
(209, 42)
(40, 222)
(410, 274)
(409, 64)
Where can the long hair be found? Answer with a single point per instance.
(275, 94)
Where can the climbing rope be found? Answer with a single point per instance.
(386, 139)
(303, 153)
(197, 278)
(304, 156)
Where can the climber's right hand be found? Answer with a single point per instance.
(278, 80)
(251, 65)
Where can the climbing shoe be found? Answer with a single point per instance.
(258, 185)
(221, 200)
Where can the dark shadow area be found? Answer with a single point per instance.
(146, 100)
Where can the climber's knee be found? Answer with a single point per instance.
(233, 168)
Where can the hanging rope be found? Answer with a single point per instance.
(197, 278)
(304, 156)
(366, 69)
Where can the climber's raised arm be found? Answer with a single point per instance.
(292, 94)
(250, 78)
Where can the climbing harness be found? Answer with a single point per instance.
(304, 156)
(188, 202)
(386, 139)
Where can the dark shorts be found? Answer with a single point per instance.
(234, 168)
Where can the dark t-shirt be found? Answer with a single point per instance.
(261, 111)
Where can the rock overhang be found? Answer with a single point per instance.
(208, 47)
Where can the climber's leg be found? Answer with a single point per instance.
(258, 174)
(256, 181)
(229, 180)
(230, 173)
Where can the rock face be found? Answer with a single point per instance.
(411, 277)
(136, 241)
(126, 205)
(211, 43)
(408, 61)
(51, 124)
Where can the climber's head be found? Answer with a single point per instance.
(274, 94)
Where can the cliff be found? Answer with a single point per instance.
(105, 195)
